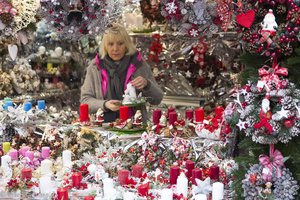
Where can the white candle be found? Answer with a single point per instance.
(46, 167)
(182, 185)
(108, 187)
(45, 184)
(129, 196)
(166, 194)
(5, 161)
(217, 191)
(200, 197)
(67, 158)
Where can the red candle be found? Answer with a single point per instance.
(137, 171)
(199, 115)
(26, 173)
(214, 172)
(196, 173)
(189, 115)
(156, 116)
(84, 112)
(88, 198)
(143, 189)
(124, 113)
(190, 165)
(62, 194)
(171, 109)
(172, 118)
(76, 179)
(123, 176)
(174, 173)
(219, 112)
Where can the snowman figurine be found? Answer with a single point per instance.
(269, 27)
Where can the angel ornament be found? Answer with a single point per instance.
(129, 95)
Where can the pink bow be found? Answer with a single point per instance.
(274, 161)
(272, 74)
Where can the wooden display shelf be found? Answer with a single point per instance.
(182, 100)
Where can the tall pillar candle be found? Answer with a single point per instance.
(219, 112)
(201, 197)
(108, 187)
(30, 155)
(129, 196)
(76, 179)
(41, 104)
(189, 115)
(26, 173)
(123, 176)
(45, 184)
(137, 171)
(84, 112)
(124, 113)
(189, 165)
(174, 173)
(6, 147)
(143, 189)
(196, 173)
(217, 191)
(170, 109)
(199, 115)
(62, 194)
(214, 172)
(172, 118)
(67, 158)
(182, 185)
(13, 154)
(166, 194)
(5, 162)
(45, 152)
(46, 167)
(156, 116)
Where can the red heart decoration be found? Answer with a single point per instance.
(246, 19)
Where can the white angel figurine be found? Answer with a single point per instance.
(129, 94)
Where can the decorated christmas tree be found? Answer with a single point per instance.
(264, 115)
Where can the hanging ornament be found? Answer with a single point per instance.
(246, 19)
(269, 27)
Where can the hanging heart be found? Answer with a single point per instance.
(13, 51)
(246, 19)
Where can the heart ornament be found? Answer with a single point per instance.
(246, 19)
(13, 51)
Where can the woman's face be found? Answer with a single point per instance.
(116, 48)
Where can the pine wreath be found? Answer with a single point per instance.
(75, 18)
(191, 18)
(268, 113)
(252, 17)
(255, 187)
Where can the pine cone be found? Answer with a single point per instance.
(281, 9)
(287, 102)
(6, 18)
(262, 12)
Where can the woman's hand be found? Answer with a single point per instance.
(113, 105)
(139, 82)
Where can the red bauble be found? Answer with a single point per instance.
(288, 123)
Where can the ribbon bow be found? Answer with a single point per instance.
(272, 75)
(274, 161)
(264, 123)
(147, 139)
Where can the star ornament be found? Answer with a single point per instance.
(211, 75)
(241, 124)
(283, 113)
(194, 32)
(171, 8)
(203, 187)
(188, 74)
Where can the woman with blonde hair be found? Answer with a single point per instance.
(117, 64)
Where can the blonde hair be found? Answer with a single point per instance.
(117, 30)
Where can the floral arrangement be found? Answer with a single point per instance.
(252, 18)
(75, 18)
(24, 79)
(192, 18)
(5, 85)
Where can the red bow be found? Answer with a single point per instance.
(272, 74)
(274, 161)
(264, 123)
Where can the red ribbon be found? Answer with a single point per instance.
(199, 51)
(264, 123)
(272, 74)
(225, 13)
(274, 161)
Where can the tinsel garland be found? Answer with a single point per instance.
(75, 18)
